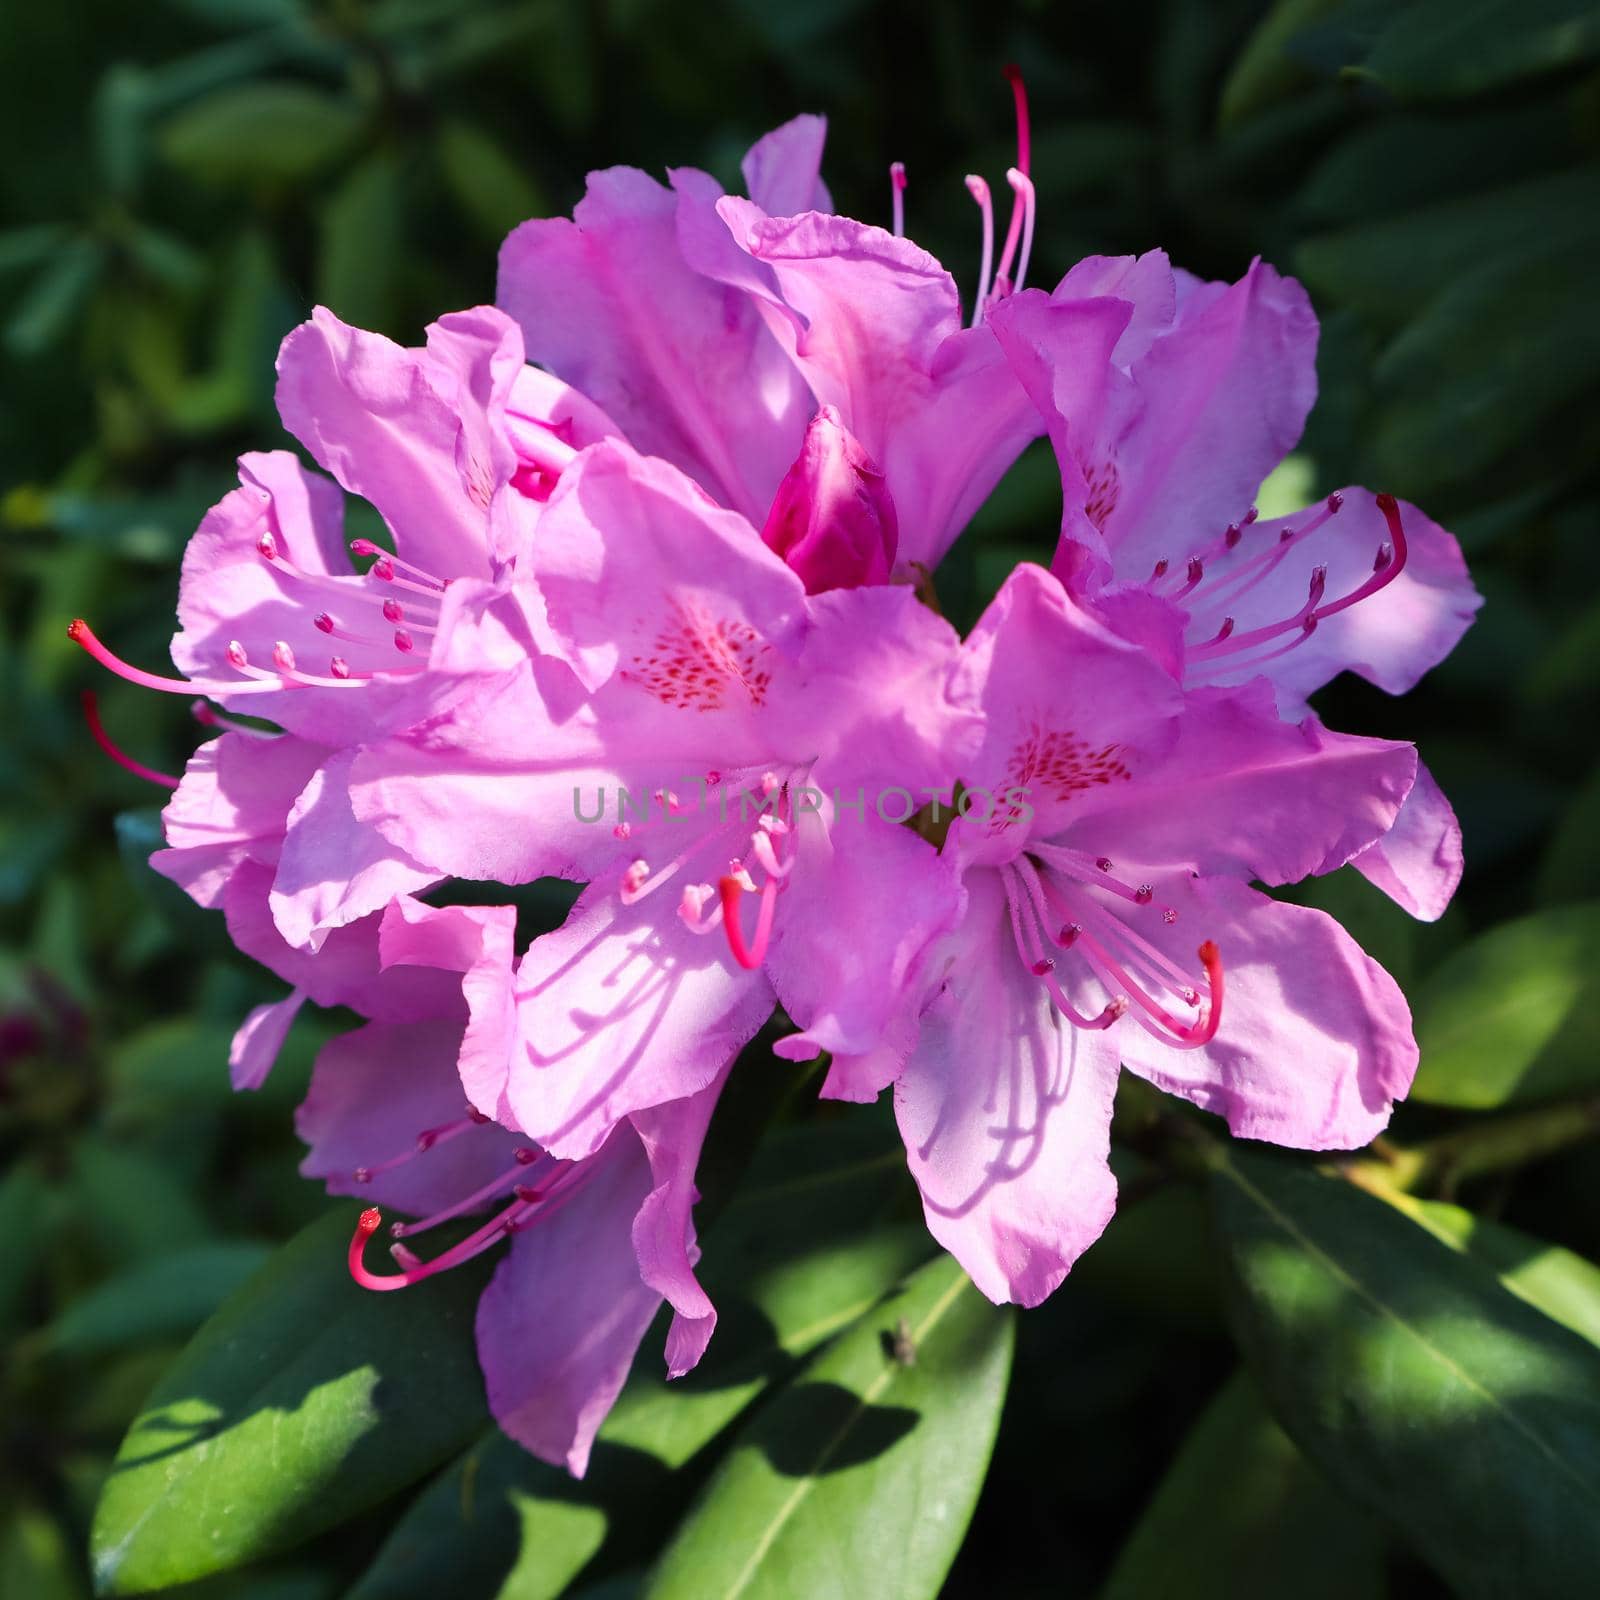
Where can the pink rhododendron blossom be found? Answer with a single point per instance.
(1110, 919)
(737, 744)
(1161, 452)
(718, 331)
(652, 625)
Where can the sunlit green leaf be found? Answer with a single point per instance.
(1508, 1018)
(1421, 1386)
(880, 1445)
(304, 1400)
(277, 132)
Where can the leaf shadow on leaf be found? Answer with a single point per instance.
(860, 1433)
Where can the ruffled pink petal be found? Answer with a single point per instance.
(1245, 793)
(620, 1009)
(564, 1313)
(642, 575)
(373, 1092)
(332, 869)
(1418, 862)
(1315, 1042)
(1391, 638)
(1215, 405)
(1146, 282)
(419, 433)
(783, 169)
(683, 363)
(259, 1038)
(1006, 1116)
(231, 807)
(663, 1230)
(1072, 711)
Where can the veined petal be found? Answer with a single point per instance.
(1315, 1042)
(1006, 1116)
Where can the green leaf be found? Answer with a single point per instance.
(1560, 1283)
(1418, 1384)
(792, 1260)
(1444, 48)
(1263, 73)
(167, 1298)
(36, 1562)
(363, 228)
(493, 190)
(1237, 1511)
(303, 1401)
(1507, 1019)
(1390, 270)
(1570, 868)
(52, 302)
(135, 1206)
(267, 132)
(1510, 326)
(880, 1445)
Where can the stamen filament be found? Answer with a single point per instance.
(897, 197)
(979, 190)
(97, 732)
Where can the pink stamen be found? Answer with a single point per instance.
(1014, 227)
(97, 732)
(1022, 189)
(749, 956)
(82, 634)
(897, 200)
(365, 547)
(979, 190)
(474, 1244)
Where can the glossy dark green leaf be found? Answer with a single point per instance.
(1415, 1380)
(1517, 326)
(36, 1560)
(1508, 1018)
(23, 1196)
(1464, 47)
(1560, 1283)
(265, 132)
(1236, 1513)
(53, 301)
(304, 1400)
(1263, 72)
(1390, 270)
(866, 1468)
(166, 1298)
(133, 1204)
(793, 1259)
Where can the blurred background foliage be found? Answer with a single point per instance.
(182, 180)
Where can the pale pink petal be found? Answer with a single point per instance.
(620, 1009)
(259, 1038)
(1245, 793)
(373, 1092)
(683, 363)
(1315, 1040)
(1006, 1116)
(419, 433)
(333, 869)
(231, 806)
(1390, 638)
(783, 169)
(1418, 862)
(565, 1311)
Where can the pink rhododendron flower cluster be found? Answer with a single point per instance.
(654, 621)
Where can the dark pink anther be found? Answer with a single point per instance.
(282, 657)
(323, 622)
(338, 667)
(1068, 935)
(382, 569)
(268, 546)
(393, 611)
(403, 642)
(235, 654)
(1144, 894)
(1104, 863)
(1043, 967)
